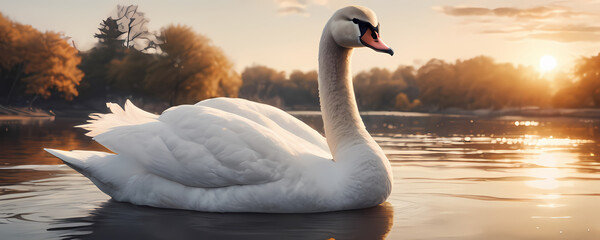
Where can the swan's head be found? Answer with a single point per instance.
(357, 26)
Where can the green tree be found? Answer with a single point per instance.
(119, 36)
(128, 75)
(110, 33)
(95, 62)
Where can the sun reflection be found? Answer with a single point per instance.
(548, 176)
(549, 170)
(547, 160)
(549, 196)
(551, 205)
(533, 140)
(527, 123)
(558, 217)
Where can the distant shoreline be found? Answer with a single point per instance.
(525, 112)
(8, 114)
(21, 114)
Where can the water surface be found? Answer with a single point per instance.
(455, 177)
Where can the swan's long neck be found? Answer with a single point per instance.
(366, 170)
(342, 122)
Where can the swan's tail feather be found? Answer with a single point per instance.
(100, 123)
(77, 159)
(105, 170)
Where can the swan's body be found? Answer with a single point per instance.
(233, 155)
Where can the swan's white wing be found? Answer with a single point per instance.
(270, 117)
(202, 146)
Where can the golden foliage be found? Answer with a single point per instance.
(193, 67)
(403, 103)
(476, 83)
(260, 83)
(378, 89)
(267, 85)
(479, 83)
(584, 92)
(189, 69)
(47, 61)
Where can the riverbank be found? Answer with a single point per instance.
(83, 110)
(24, 114)
(483, 113)
(529, 112)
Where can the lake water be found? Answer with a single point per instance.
(455, 177)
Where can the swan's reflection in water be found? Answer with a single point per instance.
(115, 220)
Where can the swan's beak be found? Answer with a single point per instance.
(371, 39)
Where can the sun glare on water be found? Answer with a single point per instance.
(547, 63)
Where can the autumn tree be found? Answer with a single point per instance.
(379, 89)
(52, 65)
(403, 103)
(585, 90)
(266, 85)
(305, 92)
(13, 49)
(479, 83)
(189, 69)
(260, 83)
(569, 93)
(37, 64)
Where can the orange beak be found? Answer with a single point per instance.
(372, 40)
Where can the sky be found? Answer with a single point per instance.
(284, 34)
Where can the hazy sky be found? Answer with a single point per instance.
(284, 34)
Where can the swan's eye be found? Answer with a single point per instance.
(363, 26)
(373, 34)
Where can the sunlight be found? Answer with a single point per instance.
(549, 170)
(549, 196)
(551, 205)
(527, 123)
(534, 140)
(548, 178)
(547, 63)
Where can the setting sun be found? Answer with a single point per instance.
(547, 63)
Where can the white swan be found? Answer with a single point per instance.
(233, 155)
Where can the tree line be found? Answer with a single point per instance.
(172, 66)
(175, 65)
(476, 83)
